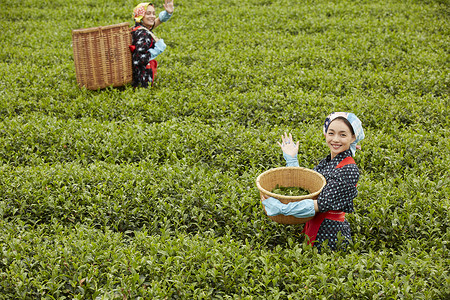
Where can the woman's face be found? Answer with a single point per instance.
(338, 137)
(150, 16)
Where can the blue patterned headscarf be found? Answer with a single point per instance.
(356, 125)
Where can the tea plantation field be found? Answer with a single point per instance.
(126, 193)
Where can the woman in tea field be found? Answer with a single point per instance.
(342, 132)
(145, 45)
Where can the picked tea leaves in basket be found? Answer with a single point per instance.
(290, 191)
(290, 177)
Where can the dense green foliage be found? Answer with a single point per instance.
(124, 193)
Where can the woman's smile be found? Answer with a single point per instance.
(336, 146)
(149, 17)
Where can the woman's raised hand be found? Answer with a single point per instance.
(288, 146)
(168, 6)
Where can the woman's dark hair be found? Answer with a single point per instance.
(346, 123)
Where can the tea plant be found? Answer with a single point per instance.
(150, 193)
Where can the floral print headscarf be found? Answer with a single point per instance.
(139, 11)
(356, 125)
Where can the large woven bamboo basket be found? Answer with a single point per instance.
(102, 56)
(304, 178)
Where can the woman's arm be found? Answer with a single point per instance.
(168, 6)
(299, 209)
(145, 49)
(290, 150)
(158, 49)
(316, 206)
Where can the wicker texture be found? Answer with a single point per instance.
(102, 56)
(290, 177)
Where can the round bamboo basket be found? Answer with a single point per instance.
(304, 178)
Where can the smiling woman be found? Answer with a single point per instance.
(150, 193)
(145, 45)
(339, 136)
(342, 131)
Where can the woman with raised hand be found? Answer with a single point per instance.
(145, 45)
(342, 132)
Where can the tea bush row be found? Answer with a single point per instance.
(222, 144)
(106, 264)
(150, 193)
(194, 199)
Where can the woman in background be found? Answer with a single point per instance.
(145, 45)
